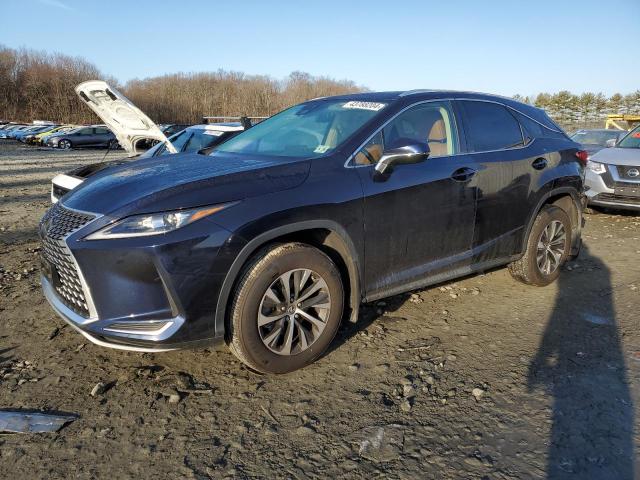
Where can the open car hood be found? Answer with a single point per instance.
(125, 120)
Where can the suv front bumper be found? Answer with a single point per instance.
(114, 335)
(145, 294)
(609, 190)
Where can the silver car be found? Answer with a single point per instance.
(613, 174)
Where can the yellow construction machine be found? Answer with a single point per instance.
(617, 121)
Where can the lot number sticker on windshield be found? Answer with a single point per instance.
(321, 149)
(365, 105)
(215, 133)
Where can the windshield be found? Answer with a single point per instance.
(190, 140)
(632, 140)
(306, 130)
(595, 137)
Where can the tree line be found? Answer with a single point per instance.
(40, 85)
(587, 110)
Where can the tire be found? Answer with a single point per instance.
(260, 296)
(64, 144)
(527, 269)
(113, 145)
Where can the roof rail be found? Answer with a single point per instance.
(413, 92)
(232, 118)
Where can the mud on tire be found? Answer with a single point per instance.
(527, 269)
(260, 296)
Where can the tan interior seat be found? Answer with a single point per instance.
(374, 151)
(437, 139)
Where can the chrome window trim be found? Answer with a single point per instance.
(414, 92)
(380, 128)
(350, 158)
(616, 175)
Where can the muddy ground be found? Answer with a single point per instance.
(481, 378)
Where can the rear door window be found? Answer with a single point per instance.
(490, 126)
(102, 131)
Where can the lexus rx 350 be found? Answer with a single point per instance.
(279, 234)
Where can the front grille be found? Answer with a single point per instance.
(55, 226)
(628, 172)
(611, 197)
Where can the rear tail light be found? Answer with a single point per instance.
(583, 156)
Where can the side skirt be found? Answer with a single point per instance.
(440, 278)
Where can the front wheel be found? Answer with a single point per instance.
(64, 144)
(286, 308)
(548, 247)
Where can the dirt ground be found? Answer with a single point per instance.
(481, 378)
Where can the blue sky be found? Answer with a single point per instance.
(499, 46)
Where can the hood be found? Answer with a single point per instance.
(618, 156)
(125, 120)
(171, 182)
(590, 148)
(88, 170)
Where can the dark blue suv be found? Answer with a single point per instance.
(269, 242)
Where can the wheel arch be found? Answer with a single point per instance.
(569, 199)
(327, 236)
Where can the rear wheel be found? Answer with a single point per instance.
(113, 145)
(64, 144)
(286, 308)
(548, 247)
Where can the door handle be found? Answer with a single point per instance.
(539, 163)
(463, 174)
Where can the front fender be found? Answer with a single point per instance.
(241, 252)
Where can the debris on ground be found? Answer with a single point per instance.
(18, 421)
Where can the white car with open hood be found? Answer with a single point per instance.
(131, 126)
(127, 122)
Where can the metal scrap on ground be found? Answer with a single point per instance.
(17, 421)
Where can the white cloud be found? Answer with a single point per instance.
(56, 4)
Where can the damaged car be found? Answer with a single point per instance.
(278, 235)
(200, 139)
(613, 175)
(133, 128)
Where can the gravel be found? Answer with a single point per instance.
(562, 389)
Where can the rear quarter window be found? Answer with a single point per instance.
(490, 126)
(533, 129)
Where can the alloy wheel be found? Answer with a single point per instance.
(65, 144)
(551, 246)
(294, 311)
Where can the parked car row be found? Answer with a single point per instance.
(61, 136)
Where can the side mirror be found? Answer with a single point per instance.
(413, 153)
(611, 142)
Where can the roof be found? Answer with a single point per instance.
(424, 94)
(220, 127)
(607, 130)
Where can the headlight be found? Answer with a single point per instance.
(154, 223)
(596, 167)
